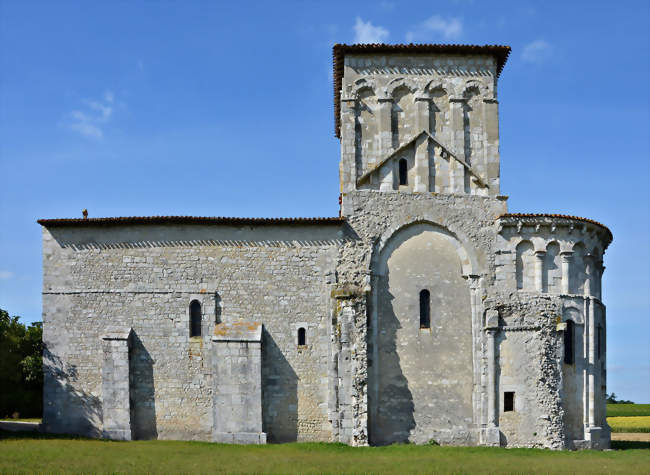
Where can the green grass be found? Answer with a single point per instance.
(23, 452)
(628, 410)
(629, 424)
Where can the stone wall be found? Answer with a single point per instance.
(388, 102)
(144, 277)
(378, 219)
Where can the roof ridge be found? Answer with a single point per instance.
(185, 220)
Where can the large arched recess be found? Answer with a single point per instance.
(420, 380)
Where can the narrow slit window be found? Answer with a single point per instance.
(302, 337)
(569, 337)
(508, 401)
(195, 318)
(425, 309)
(403, 178)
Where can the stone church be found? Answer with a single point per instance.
(424, 312)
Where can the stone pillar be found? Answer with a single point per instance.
(456, 169)
(237, 383)
(566, 263)
(589, 271)
(348, 165)
(422, 145)
(491, 124)
(491, 434)
(384, 127)
(352, 364)
(387, 177)
(539, 270)
(116, 405)
(592, 432)
(385, 144)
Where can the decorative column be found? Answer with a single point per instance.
(566, 257)
(456, 169)
(592, 432)
(491, 124)
(589, 268)
(491, 434)
(385, 143)
(348, 170)
(422, 145)
(116, 404)
(539, 270)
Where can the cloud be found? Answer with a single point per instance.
(5, 274)
(536, 52)
(436, 26)
(90, 119)
(366, 32)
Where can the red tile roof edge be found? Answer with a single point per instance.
(500, 52)
(126, 220)
(564, 216)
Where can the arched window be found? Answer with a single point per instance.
(195, 318)
(425, 309)
(569, 337)
(403, 178)
(302, 337)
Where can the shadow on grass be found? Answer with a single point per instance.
(6, 434)
(629, 444)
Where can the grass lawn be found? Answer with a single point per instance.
(628, 410)
(23, 452)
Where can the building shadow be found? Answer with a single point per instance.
(142, 393)
(279, 393)
(391, 401)
(66, 408)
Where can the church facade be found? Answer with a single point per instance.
(424, 312)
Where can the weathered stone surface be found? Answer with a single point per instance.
(420, 177)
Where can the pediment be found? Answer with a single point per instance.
(446, 153)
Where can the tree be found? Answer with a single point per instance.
(21, 367)
(612, 399)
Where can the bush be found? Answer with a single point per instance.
(21, 367)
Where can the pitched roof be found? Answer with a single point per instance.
(127, 220)
(339, 51)
(409, 142)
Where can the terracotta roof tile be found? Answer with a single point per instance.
(339, 51)
(126, 220)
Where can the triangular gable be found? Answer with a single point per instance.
(410, 142)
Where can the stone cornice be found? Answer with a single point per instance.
(554, 221)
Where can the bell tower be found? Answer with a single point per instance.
(418, 118)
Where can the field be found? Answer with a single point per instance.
(628, 410)
(629, 424)
(23, 452)
(34, 452)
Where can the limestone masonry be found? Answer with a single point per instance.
(425, 312)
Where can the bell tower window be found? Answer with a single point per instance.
(403, 178)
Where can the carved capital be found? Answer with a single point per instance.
(491, 320)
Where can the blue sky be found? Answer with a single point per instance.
(225, 109)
